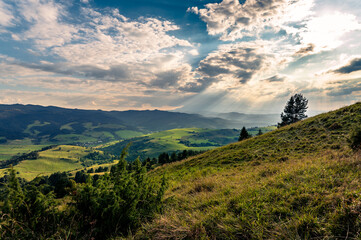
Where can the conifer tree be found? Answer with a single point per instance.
(244, 134)
(294, 110)
(259, 132)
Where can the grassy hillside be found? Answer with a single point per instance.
(299, 182)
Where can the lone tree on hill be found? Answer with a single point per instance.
(259, 132)
(244, 134)
(294, 110)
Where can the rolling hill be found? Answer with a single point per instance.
(62, 158)
(301, 181)
(152, 145)
(54, 125)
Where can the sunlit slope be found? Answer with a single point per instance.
(299, 182)
(196, 139)
(58, 159)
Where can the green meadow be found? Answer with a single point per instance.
(9, 150)
(151, 145)
(59, 159)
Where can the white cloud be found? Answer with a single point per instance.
(326, 31)
(46, 26)
(103, 45)
(6, 15)
(233, 20)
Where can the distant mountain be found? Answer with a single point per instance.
(60, 125)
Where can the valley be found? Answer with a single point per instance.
(297, 181)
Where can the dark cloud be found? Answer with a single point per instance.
(166, 79)
(211, 69)
(275, 78)
(304, 51)
(115, 73)
(344, 88)
(198, 86)
(241, 63)
(353, 66)
(344, 91)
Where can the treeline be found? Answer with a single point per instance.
(164, 157)
(97, 157)
(106, 206)
(15, 160)
(203, 144)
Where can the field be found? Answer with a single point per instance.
(58, 159)
(66, 158)
(9, 150)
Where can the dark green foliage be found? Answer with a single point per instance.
(355, 138)
(80, 177)
(27, 212)
(119, 202)
(61, 183)
(105, 206)
(96, 157)
(243, 135)
(294, 110)
(164, 158)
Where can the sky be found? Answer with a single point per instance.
(193, 56)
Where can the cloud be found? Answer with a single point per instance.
(275, 78)
(104, 45)
(345, 88)
(234, 65)
(112, 38)
(306, 50)
(233, 20)
(325, 32)
(45, 23)
(237, 63)
(6, 15)
(353, 66)
(114, 73)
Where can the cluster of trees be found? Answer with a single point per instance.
(164, 157)
(98, 170)
(111, 205)
(96, 157)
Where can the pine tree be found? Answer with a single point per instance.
(259, 132)
(244, 134)
(294, 110)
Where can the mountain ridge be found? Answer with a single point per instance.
(50, 124)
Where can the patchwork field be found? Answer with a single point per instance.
(7, 150)
(58, 159)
